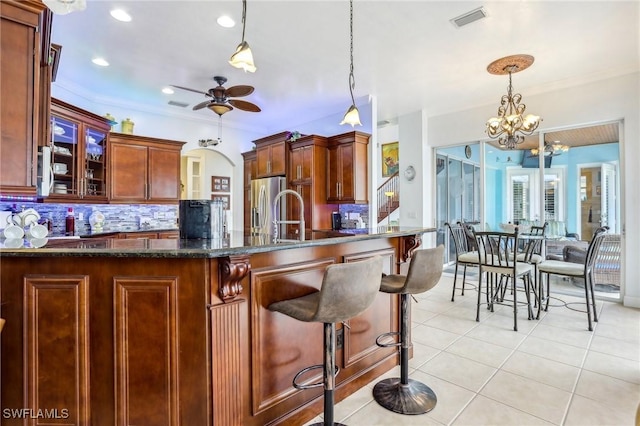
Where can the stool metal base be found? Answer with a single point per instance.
(322, 424)
(412, 398)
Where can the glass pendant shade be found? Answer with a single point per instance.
(243, 58)
(220, 108)
(62, 7)
(352, 116)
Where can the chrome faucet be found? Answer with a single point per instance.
(277, 222)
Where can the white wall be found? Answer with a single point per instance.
(605, 100)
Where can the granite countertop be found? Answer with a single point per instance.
(234, 243)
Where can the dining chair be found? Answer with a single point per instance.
(531, 251)
(496, 256)
(464, 256)
(576, 270)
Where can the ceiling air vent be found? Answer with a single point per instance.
(180, 104)
(469, 17)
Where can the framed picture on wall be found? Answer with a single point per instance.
(389, 158)
(220, 184)
(221, 197)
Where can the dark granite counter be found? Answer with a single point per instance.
(235, 243)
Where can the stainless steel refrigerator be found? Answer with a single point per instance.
(263, 193)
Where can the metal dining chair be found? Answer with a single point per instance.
(576, 270)
(496, 256)
(464, 256)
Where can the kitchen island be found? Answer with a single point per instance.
(169, 332)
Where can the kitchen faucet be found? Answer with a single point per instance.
(277, 222)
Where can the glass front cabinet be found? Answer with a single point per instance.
(79, 146)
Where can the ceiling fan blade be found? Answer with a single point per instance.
(238, 91)
(244, 105)
(201, 105)
(191, 90)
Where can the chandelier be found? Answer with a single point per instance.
(511, 125)
(551, 148)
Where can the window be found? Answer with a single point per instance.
(524, 202)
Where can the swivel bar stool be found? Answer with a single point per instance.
(403, 395)
(347, 290)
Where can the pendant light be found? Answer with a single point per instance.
(243, 58)
(352, 116)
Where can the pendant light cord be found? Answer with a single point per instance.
(244, 17)
(352, 80)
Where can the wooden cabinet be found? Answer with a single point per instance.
(143, 169)
(271, 155)
(307, 176)
(250, 168)
(79, 142)
(347, 167)
(21, 100)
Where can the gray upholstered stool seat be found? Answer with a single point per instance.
(404, 395)
(347, 290)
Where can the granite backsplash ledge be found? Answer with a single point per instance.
(118, 217)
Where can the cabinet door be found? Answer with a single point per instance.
(164, 166)
(333, 173)
(347, 181)
(278, 159)
(94, 164)
(293, 210)
(128, 172)
(66, 154)
(19, 103)
(263, 161)
(295, 164)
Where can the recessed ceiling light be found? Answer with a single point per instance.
(121, 15)
(100, 61)
(226, 21)
(167, 91)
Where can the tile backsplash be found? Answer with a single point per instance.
(118, 217)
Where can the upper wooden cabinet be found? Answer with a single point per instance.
(347, 167)
(21, 100)
(250, 168)
(79, 142)
(307, 176)
(271, 157)
(143, 169)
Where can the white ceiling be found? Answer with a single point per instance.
(407, 53)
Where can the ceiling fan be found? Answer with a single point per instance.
(220, 100)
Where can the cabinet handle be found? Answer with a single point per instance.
(299, 172)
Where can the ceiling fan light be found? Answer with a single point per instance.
(352, 116)
(220, 108)
(62, 7)
(243, 58)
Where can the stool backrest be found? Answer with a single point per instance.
(425, 270)
(348, 289)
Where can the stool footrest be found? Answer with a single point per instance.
(388, 345)
(311, 385)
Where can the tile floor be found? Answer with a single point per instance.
(551, 372)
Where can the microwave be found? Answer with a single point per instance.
(45, 172)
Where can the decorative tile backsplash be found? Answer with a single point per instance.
(350, 214)
(118, 218)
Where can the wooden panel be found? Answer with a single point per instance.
(282, 346)
(164, 168)
(381, 317)
(227, 374)
(347, 180)
(20, 100)
(128, 172)
(57, 347)
(146, 345)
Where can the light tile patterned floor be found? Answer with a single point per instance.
(553, 371)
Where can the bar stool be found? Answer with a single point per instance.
(347, 290)
(403, 395)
